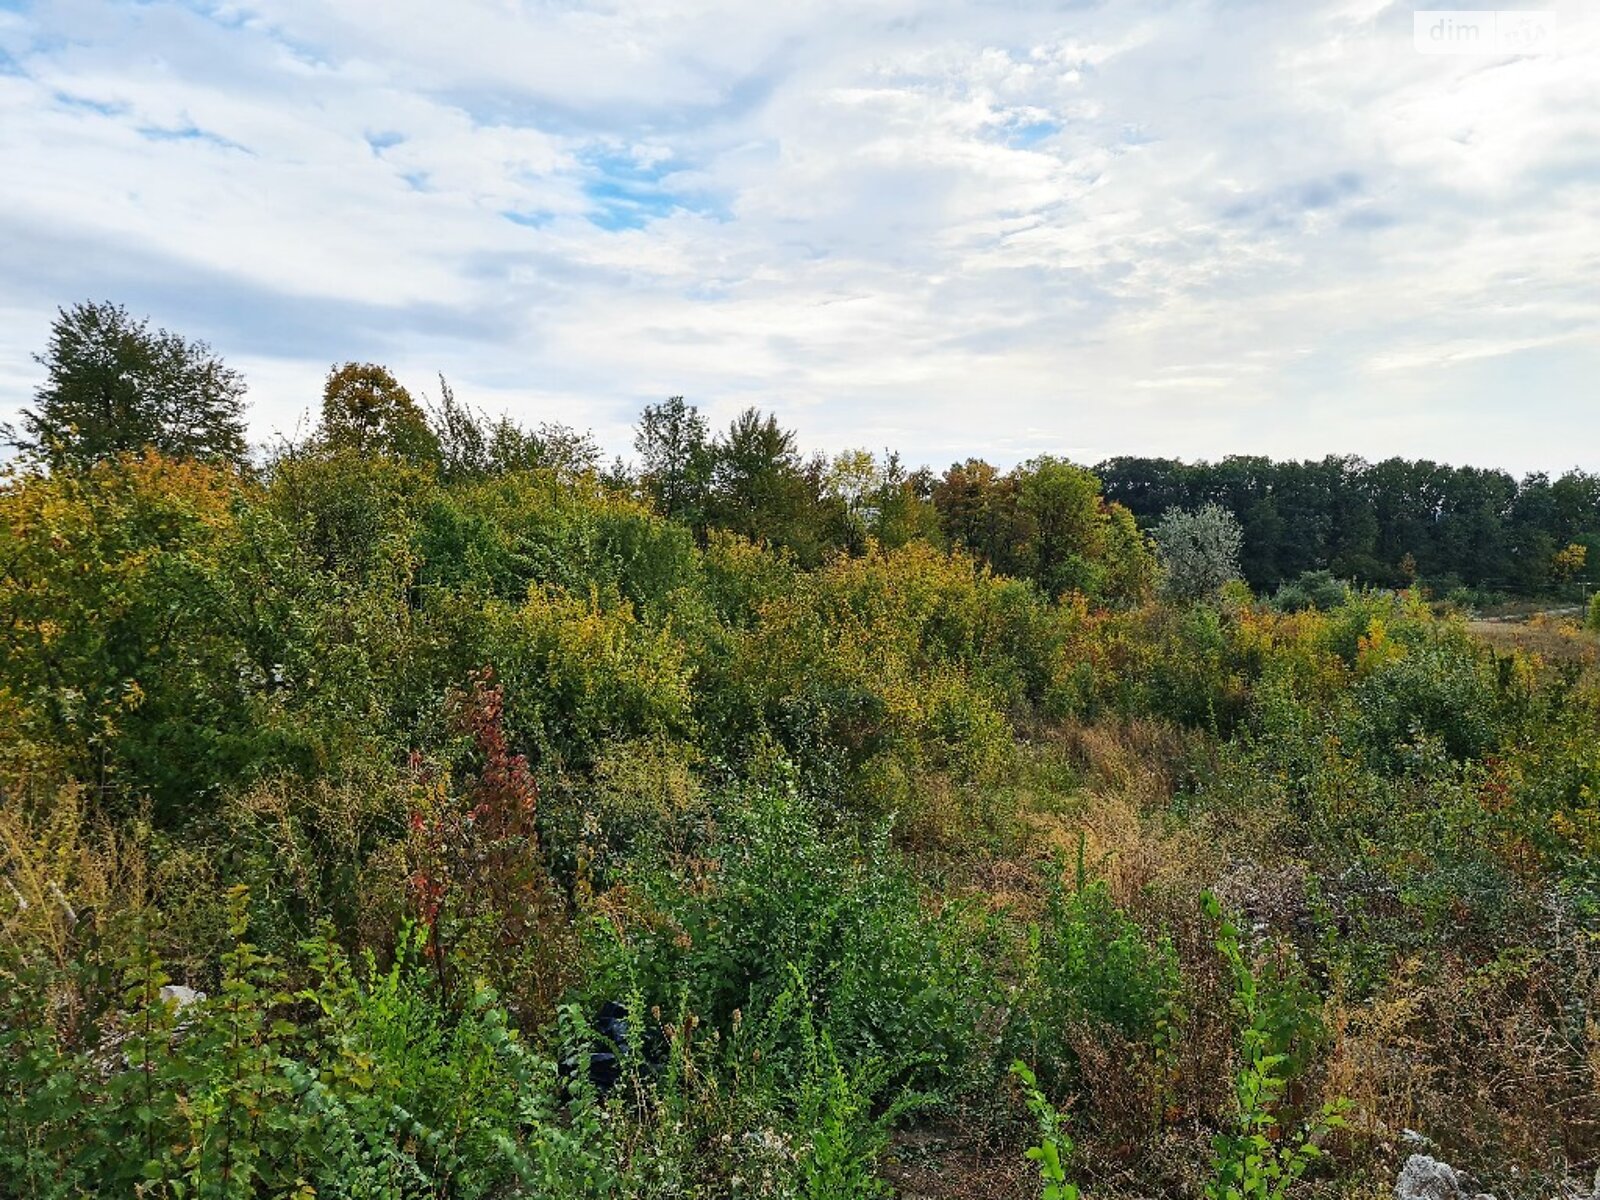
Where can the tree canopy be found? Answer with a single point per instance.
(114, 385)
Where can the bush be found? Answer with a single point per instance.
(723, 934)
(1198, 551)
(1091, 964)
(1266, 1152)
(1312, 590)
(358, 1085)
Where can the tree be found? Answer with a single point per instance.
(978, 511)
(365, 409)
(674, 458)
(1569, 562)
(1066, 525)
(1198, 550)
(760, 487)
(1129, 570)
(473, 445)
(903, 510)
(853, 478)
(113, 386)
(852, 488)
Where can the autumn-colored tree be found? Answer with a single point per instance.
(978, 510)
(1129, 573)
(365, 409)
(125, 635)
(1569, 561)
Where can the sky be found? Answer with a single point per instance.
(1000, 228)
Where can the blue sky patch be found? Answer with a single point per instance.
(191, 133)
(105, 108)
(625, 193)
(1025, 135)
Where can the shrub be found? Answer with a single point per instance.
(1444, 687)
(1055, 1144)
(723, 934)
(359, 1084)
(1198, 551)
(479, 880)
(1313, 589)
(582, 671)
(1091, 964)
(1261, 1159)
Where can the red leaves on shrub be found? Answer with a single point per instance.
(479, 883)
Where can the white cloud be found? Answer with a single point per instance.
(1185, 227)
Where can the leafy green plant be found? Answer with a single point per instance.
(1259, 1159)
(1092, 963)
(1055, 1144)
(890, 981)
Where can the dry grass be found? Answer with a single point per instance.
(1554, 640)
(1497, 1065)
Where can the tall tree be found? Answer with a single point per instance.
(674, 458)
(1065, 525)
(364, 408)
(113, 384)
(979, 511)
(761, 488)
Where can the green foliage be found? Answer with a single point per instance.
(1091, 964)
(584, 671)
(887, 979)
(759, 488)
(131, 605)
(838, 1107)
(1055, 1144)
(1046, 521)
(1067, 526)
(788, 788)
(675, 460)
(1444, 688)
(473, 446)
(1313, 589)
(113, 386)
(357, 1085)
(1383, 524)
(1261, 1159)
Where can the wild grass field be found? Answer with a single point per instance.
(383, 823)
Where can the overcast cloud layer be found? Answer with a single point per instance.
(991, 227)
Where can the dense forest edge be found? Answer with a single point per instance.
(428, 807)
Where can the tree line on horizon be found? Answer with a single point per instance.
(115, 385)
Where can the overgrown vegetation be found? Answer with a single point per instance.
(424, 812)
